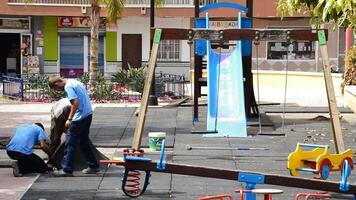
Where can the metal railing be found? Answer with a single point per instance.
(34, 88)
(207, 2)
(170, 85)
(12, 87)
(51, 2)
(166, 3)
(87, 2)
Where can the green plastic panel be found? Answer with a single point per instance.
(111, 46)
(321, 37)
(50, 39)
(157, 36)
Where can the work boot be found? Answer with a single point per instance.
(16, 169)
(61, 173)
(90, 170)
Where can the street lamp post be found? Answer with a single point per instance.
(152, 99)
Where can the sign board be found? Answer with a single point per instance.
(77, 22)
(15, 23)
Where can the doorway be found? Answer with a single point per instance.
(131, 50)
(10, 54)
(75, 55)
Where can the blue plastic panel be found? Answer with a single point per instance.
(223, 5)
(200, 45)
(246, 44)
(225, 94)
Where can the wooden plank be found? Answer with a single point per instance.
(242, 34)
(228, 174)
(136, 143)
(334, 114)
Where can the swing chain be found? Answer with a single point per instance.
(288, 42)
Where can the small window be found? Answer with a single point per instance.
(299, 50)
(207, 2)
(169, 50)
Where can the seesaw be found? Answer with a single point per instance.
(135, 162)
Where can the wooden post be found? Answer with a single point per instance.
(147, 87)
(196, 66)
(334, 114)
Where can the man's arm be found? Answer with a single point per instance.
(73, 110)
(45, 148)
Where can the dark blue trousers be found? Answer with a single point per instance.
(28, 163)
(78, 134)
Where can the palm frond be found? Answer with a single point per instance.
(114, 9)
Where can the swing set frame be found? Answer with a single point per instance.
(290, 35)
(219, 35)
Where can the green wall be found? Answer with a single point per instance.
(111, 46)
(50, 39)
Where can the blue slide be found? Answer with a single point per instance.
(226, 107)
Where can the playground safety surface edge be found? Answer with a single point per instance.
(114, 126)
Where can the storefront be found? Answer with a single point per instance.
(299, 56)
(74, 46)
(16, 45)
(67, 46)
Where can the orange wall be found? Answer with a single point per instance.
(6, 9)
(267, 8)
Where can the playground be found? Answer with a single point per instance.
(117, 131)
(223, 148)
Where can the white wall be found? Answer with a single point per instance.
(177, 23)
(134, 25)
(141, 25)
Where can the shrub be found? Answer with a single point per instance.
(102, 90)
(132, 78)
(38, 83)
(350, 68)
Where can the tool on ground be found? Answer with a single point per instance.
(188, 147)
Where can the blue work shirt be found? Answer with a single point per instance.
(25, 137)
(76, 90)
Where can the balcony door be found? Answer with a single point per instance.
(131, 50)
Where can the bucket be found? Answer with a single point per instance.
(155, 140)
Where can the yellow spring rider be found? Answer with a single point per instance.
(317, 160)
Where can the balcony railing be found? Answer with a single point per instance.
(129, 3)
(50, 2)
(168, 3)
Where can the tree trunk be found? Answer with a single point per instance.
(94, 42)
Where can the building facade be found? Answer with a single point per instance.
(49, 36)
(302, 56)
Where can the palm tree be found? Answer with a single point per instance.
(114, 9)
